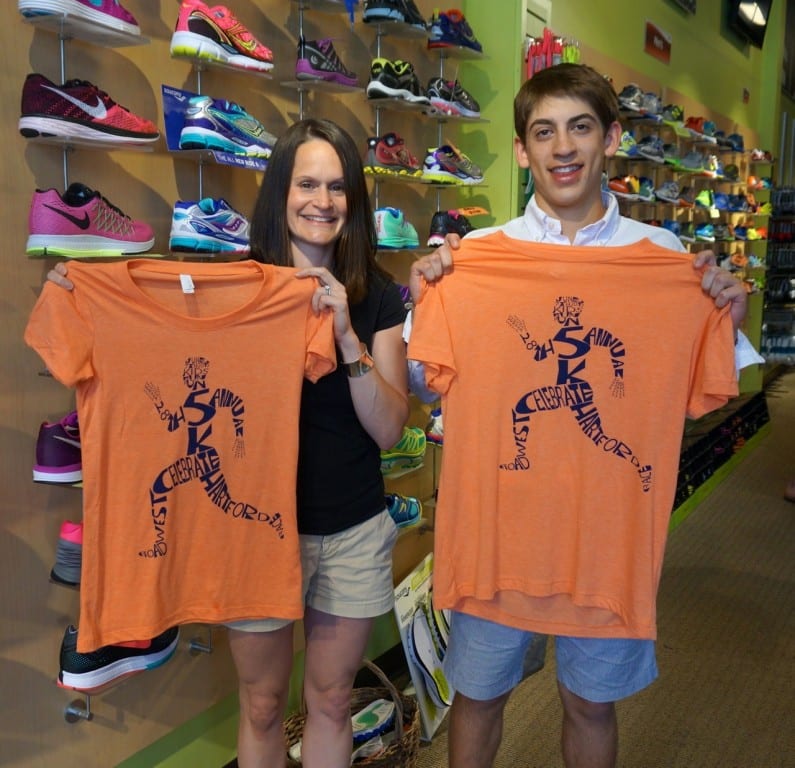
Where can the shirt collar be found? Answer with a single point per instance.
(543, 228)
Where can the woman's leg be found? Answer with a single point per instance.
(334, 651)
(263, 661)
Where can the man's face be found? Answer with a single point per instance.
(565, 147)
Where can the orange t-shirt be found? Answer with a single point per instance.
(565, 374)
(188, 406)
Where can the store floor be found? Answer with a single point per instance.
(725, 697)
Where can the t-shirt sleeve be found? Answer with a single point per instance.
(61, 335)
(430, 341)
(321, 354)
(713, 381)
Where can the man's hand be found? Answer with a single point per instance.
(722, 286)
(433, 266)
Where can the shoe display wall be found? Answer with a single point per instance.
(698, 180)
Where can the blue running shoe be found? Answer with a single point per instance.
(449, 29)
(406, 511)
(225, 126)
(208, 226)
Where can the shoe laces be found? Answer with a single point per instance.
(111, 219)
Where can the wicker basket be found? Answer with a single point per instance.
(402, 752)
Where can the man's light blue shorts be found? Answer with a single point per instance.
(484, 660)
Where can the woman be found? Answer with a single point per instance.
(313, 212)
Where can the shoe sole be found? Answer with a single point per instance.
(427, 660)
(53, 127)
(203, 138)
(193, 46)
(84, 245)
(204, 244)
(452, 108)
(89, 682)
(376, 90)
(33, 8)
(70, 474)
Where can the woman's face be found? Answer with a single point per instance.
(317, 208)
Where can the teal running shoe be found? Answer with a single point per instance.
(393, 231)
(406, 511)
(224, 126)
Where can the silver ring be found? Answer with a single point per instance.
(328, 290)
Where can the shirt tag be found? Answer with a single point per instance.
(187, 284)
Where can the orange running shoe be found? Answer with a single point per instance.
(214, 34)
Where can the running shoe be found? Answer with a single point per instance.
(79, 110)
(317, 60)
(68, 555)
(93, 671)
(395, 79)
(58, 453)
(625, 187)
(405, 11)
(214, 34)
(628, 147)
(406, 453)
(450, 29)
(406, 511)
(651, 147)
(447, 164)
(705, 233)
(449, 98)
(434, 431)
(668, 192)
(103, 13)
(224, 126)
(444, 222)
(631, 97)
(82, 223)
(389, 155)
(393, 230)
(705, 199)
(208, 226)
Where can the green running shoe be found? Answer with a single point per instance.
(407, 453)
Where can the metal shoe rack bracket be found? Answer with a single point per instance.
(67, 27)
(173, 114)
(306, 84)
(401, 29)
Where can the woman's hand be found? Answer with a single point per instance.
(58, 276)
(330, 295)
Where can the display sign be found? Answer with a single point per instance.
(658, 43)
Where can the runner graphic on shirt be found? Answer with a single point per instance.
(201, 461)
(571, 346)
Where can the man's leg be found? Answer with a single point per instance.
(475, 731)
(483, 663)
(594, 673)
(590, 732)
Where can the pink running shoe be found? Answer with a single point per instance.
(79, 110)
(68, 555)
(82, 223)
(58, 455)
(103, 13)
(214, 34)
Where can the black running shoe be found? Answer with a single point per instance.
(317, 60)
(394, 10)
(395, 79)
(451, 99)
(445, 222)
(95, 670)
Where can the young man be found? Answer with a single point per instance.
(555, 476)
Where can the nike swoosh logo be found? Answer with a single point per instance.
(97, 111)
(67, 440)
(82, 222)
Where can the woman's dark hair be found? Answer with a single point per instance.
(354, 251)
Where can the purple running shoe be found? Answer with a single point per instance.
(317, 60)
(58, 455)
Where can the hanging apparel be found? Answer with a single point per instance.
(188, 380)
(566, 373)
